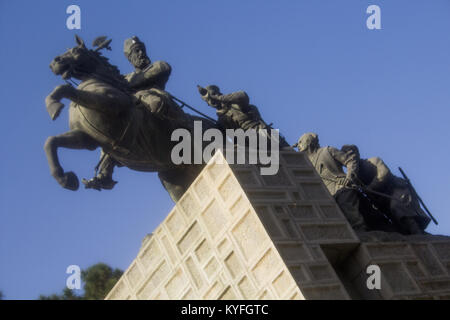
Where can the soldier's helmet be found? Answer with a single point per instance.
(130, 43)
(350, 149)
(213, 90)
(306, 140)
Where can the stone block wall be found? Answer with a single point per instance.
(303, 221)
(418, 268)
(237, 234)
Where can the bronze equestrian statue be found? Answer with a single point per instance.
(105, 112)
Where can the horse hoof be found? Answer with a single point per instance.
(54, 109)
(71, 181)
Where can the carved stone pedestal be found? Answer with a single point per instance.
(237, 234)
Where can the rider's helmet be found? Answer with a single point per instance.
(130, 43)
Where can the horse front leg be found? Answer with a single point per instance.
(53, 100)
(74, 139)
(111, 101)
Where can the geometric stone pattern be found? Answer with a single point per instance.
(237, 234)
(212, 245)
(409, 270)
(303, 221)
(221, 242)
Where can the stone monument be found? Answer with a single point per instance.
(236, 234)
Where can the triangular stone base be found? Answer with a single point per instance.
(236, 234)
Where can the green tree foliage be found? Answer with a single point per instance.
(67, 294)
(98, 280)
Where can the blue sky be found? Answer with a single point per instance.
(308, 66)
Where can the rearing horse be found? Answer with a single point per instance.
(104, 113)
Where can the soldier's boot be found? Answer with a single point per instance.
(353, 216)
(99, 182)
(348, 201)
(410, 225)
(103, 180)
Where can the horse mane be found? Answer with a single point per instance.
(110, 71)
(114, 70)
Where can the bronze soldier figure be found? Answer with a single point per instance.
(234, 110)
(149, 80)
(329, 163)
(390, 194)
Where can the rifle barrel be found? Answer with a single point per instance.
(418, 197)
(193, 109)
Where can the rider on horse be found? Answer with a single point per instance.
(148, 82)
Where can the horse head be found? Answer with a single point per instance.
(75, 62)
(81, 63)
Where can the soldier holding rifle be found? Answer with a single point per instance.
(234, 110)
(390, 194)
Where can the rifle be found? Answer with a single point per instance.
(410, 186)
(202, 91)
(206, 94)
(184, 104)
